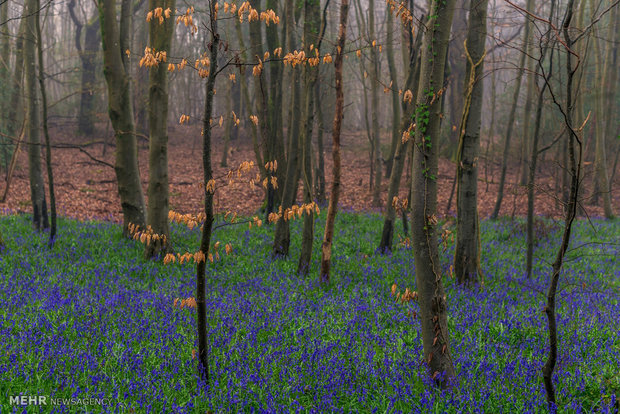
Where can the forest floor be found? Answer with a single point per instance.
(86, 189)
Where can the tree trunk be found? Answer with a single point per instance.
(5, 81)
(320, 171)
(511, 116)
(456, 75)
(282, 237)
(606, 73)
(6, 84)
(534, 149)
(402, 150)
(326, 248)
(432, 299)
(245, 93)
(276, 134)
(229, 123)
(571, 211)
(37, 187)
(312, 36)
(374, 107)
(261, 95)
(88, 58)
(527, 110)
(396, 121)
(48, 147)
(120, 109)
(467, 249)
(491, 133)
(207, 227)
(157, 214)
(140, 80)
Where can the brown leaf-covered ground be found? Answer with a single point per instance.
(86, 189)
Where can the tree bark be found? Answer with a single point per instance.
(120, 109)
(467, 249)
(37, 186)
(432, 299)
(158, 192)
(326, 248)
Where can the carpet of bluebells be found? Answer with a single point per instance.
(92, 319)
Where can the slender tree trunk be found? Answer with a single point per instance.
(402, 150)
(140, 80)
(158, 192)
(48, 147)
(467, 249)
(491, 127)
(37, 186)
(120, 109)
(7, 84)
(431, 296)
(18, 77)
(282, 237)
(571, 212)
(606, 73)
(207, 227)
(374, 107)
(527, 111)
(534, 155)
(88, 58)
(396, 121)
(5, 81)
(326, 248)
(229, 123)
(261, 94)
(245, 93)
(455, 75)
(511, 116)
(320, 172)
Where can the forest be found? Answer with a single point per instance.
(309, 206)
